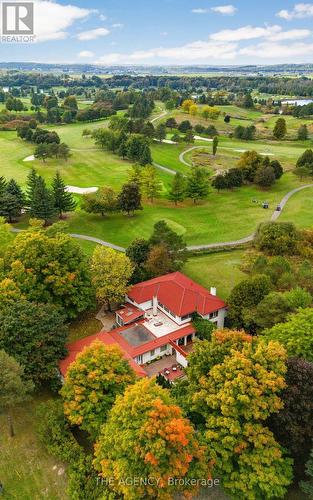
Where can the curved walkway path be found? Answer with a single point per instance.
(239, 242)
(181, 156)
(158, 117)
(249, 238)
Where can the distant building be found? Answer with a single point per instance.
(154, 329)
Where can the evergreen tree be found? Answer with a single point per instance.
(197, 184)
(9, 207)
(3, 184)
(15, 190)
(145, 155)
(42, 206)
(303, 134)
(214, 145)
(178, 189)
(160, 132)
(280, 129)
(122, 150)
(63, 201)
(248, 101)
(31, 183)
(129, 198)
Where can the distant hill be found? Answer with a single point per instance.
(279, 69)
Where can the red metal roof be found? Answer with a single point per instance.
(130, 313)
(76, 347)
(179, 294)
(129, 351)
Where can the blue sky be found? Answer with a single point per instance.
(168, 32)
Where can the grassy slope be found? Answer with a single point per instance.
(211, 221)
(224, 216)
(220, 270)
(26, 470)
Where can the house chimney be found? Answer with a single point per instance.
(213, 290)
(154, 306)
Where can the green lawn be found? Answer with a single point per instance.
(221, 270)
(84, 326)
(299, 209)
(27, 472)
(224, 216)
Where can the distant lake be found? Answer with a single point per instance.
(297, 102)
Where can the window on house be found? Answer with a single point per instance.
(152, 353)
(214, 314)
(163, 348)
(183, 318)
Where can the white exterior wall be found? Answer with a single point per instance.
(219, 319)
(181, 360)
(147, 355)
(144, 306)
(173, 316)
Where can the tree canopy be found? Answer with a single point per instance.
(93, 381)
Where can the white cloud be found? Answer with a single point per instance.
(273, 33)
(52, 19)
(118, 25)
(245, 33)
(92, 34)
(289, 35)
(195, 51)
(300, 11)
(102, 17)
(164, 33)
(86, 53)
(200, 11)
(226, 10)
(268, 50)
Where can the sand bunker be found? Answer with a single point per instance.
(29, 158)
(78, 190)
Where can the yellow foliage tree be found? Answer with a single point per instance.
(147, 437)
(193, 110)
(110, 274)
(98, 374)
(234, 384)
(186, 105)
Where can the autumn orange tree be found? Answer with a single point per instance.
(234, 383)
(146, 436)
(93, 381)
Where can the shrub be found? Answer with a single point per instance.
(277, 238)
